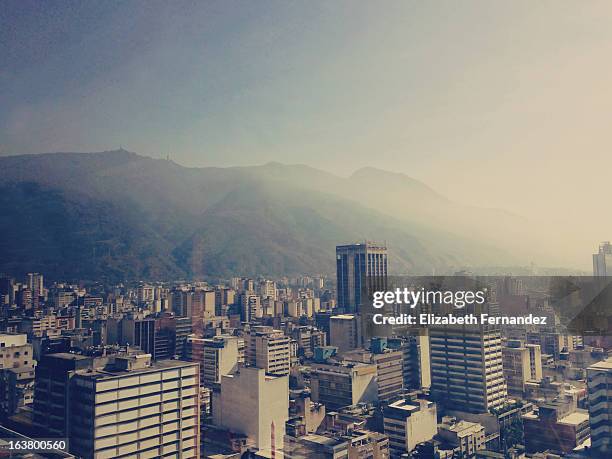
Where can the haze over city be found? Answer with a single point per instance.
(495, 105)
(296, 230)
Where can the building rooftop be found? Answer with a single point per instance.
(116, 371)
(603, 365)
(323, 440)
(575, 418)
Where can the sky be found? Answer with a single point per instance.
(497, 104)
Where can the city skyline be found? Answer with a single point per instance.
(305, 230)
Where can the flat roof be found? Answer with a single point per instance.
(97, 373)
(603, 365)
(575, 418)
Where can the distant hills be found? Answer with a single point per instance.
(117, 215)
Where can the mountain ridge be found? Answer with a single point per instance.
(271, 219)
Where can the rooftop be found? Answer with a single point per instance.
(603, 365)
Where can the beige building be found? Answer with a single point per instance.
(343, 384)
(217, 356)
(466, 437)
(135, 408)
(345, 332)
(268, 349)
(17, 366)
(522, 364)
(389, 370)
(254, 404)
(409, 422)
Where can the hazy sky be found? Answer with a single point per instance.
(505, 104)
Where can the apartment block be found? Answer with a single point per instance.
(467, 368)
(269, 349)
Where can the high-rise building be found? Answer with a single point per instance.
(51, 395)
(122, 406)
(417, 365)
(133, 331)
(182, 303)
(522, 363)
(145, 294)
(308, 338)
(182, 329)
(360, 268)
(345, 332)
(217, 356)
(467, 368)
(389, 366)
(599, 384)
(7, 291)
(268, 349)
(409, 422)
(36, 286)
(602, 261)
(254, 404)
(343, 384)
(250, 304)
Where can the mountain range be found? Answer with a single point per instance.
(118, 215)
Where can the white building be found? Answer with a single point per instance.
(217, 356)
(254, 404)
(408, 423)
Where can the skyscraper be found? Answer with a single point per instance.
(602, 261)
(599, 383)
(360, 268)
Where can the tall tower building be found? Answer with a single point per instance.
(467, 368)
(602, 261)
(36, 285)
(360, 268)
(599, 384)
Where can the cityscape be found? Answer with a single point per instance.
(283, 368)
(305, 229)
